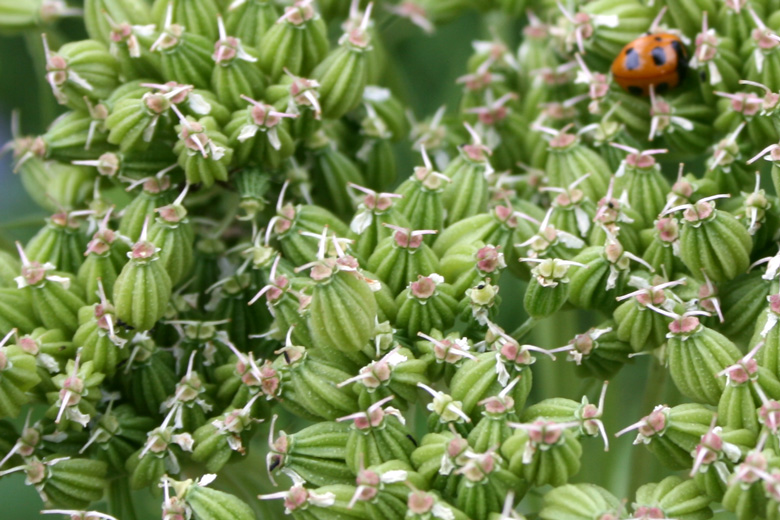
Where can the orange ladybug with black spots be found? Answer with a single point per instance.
(658, 60)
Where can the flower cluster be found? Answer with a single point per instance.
(232, 245)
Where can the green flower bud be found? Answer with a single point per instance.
(570, 160)
(334, 172)
(745, 495)
(297, 41)
(707, 234)
(216, 441)
(580, 502)
(493, 429)
(310, 386)
(259, 134)
(673, 433)
(199, 17)
(99, 13)
(51, 349)
(80, 71)
(156, 193)
(399, 259)
(421, 201)
(371, 220)
(204, 503)
(236, 73)
(637, 323)
(343, 308)
(55, 299)
(543, 452)
(598, 352)
(316, 454)
(64, 481)
(426, 304)
(149, 377)
(117, 434)
(597, 285)
(291, 221)
(343, 74)
(397, 373)
(77, 135)
(378, 435)
(672, 498)
(16, 311)
(467, 193)
(328, 502)
(485, 483)
(78, 393)
(143, 288)
(159, 456)
(99, 339)
(173, 236)
(106, 255)
(490, 373)
(250, 20)
(696, 354)
(639, 176)
(203, 152)
(60, 243)
(18, 375)
(548, 289)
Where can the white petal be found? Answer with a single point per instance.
(322, 499)
(198, 104)
(247, 132)
(360, 222)
(376, 94)
(397, 475)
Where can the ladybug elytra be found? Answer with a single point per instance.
(657, 60)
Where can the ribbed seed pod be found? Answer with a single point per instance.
(143, 288)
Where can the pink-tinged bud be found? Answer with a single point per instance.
(3, 360)
(640, 161)
(29, 345)
(193, 136)
(563, 140)
(157, 103)
(476, 152)
(511, 351)
(769, 414)
(583, 343)
(648, 513)
(506, 215)
(420, 502)
(496, 405)
(423, 288)
(225, 50)
(683, 188)
(33, 273)
(684, 325)
(668, 229)
(36, 471)
(545, 432)
(774, 303)
(654, 423)
(764, 38)
(296, 497)
(143, 251)
(405, 239)
(368, 478)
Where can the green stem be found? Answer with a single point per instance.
(528, 325)
(641, 459)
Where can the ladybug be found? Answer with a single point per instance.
(657, 60)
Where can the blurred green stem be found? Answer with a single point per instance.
(520, 332)
(642, 459)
